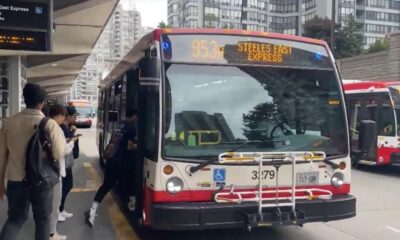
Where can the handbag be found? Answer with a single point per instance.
(111, 149)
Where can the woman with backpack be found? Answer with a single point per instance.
(69, 129)
(114, 165)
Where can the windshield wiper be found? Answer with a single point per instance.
(206, 163)
(286, 142)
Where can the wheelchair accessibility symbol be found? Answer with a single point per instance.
(219, 175)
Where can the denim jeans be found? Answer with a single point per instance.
(56, 204)
(67, 184)
(19, 196)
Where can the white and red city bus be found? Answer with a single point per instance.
(84, 111)
(379, 103)
(236, 129)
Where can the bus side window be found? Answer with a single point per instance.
(100, 107)
(115, 106)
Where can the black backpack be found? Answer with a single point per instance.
(41, 168)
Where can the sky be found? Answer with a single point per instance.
(152, 11)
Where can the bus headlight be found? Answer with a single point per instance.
(337, 180)
(174, 185)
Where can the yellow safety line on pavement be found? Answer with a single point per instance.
(120, 224)
(92, 183)
(79, 190)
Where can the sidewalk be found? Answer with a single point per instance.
(86, 181)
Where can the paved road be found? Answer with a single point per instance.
(378, 211)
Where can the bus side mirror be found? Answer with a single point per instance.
(113, 116)
(367, 136)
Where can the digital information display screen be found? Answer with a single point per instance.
(17, 40)
(25, 25)
(228, 49)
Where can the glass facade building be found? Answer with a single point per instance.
(375, 18)
(119, 35)
(282, 16)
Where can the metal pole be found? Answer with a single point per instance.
(241, 15)
(333, 24)
(260, 187)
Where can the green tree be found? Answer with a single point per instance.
(318, 28)
(379, 45)
(162, 25)
(347, 41)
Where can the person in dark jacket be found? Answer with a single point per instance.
(69, 129)
(114, 166)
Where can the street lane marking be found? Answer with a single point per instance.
(393, 229)
(122, 228)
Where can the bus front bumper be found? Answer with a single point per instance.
(211, 215)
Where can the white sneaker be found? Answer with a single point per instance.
(57, 236)
(61, 218)
(90, 215)
(66, 214)
(132, 204)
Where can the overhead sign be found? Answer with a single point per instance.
(26, 25)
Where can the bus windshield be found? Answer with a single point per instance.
(371, 106)
(213, 109)
(84, 111)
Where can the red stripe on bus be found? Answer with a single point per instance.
(384, 155)
(147, 202)
(207, 195)
(364, 85)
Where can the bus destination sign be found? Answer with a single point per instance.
(225, 49)
(25, 25)
(264, 52)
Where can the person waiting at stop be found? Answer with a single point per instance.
(114, 166)
(57, 112)
(69, 129)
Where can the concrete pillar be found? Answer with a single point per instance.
(4, 89)
(17, 81)
(394, 56)
(299, 18)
